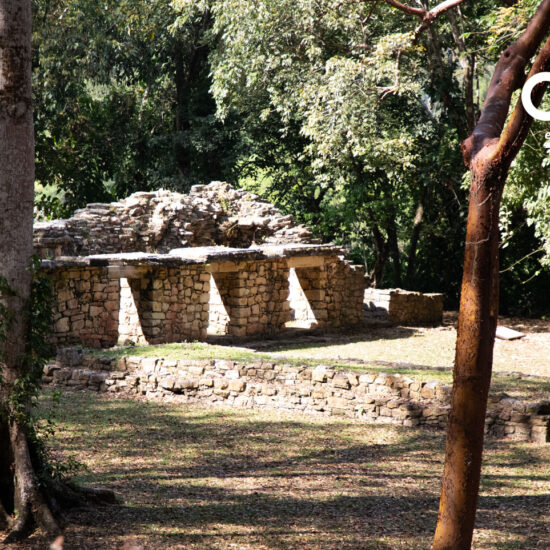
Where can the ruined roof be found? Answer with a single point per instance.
(160, 221)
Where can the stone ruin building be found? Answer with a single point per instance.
(161, 267)
(165, 267)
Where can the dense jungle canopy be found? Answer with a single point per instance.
(339, 111)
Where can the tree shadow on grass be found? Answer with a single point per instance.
(295, 338)
(203, 478)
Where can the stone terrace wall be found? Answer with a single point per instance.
(373, 397)
(403, 307)
(215, 214)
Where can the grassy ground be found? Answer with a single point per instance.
(198, 478)
(431, 347)
(521, 367)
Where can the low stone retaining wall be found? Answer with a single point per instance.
(403, 307)
(373, 397)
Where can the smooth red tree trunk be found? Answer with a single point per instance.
(488, 152)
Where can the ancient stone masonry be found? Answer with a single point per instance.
(156, 222)
(403, 307)
(373, 397)
(86, 306)
(330, 293)
(162, 267)
(254, 295)
(157, 298)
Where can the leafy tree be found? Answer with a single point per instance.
(121, 102)
(367, 118)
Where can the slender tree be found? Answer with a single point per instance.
(488, 152)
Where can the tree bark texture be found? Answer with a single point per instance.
(488, 152)
(415, 235)
(18, 481)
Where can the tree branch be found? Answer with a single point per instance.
(420, 12)
(427, 16)
(516, 130)
(509, 75)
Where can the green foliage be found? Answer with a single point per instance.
(349, 128)
(325, 107)
(121, 103)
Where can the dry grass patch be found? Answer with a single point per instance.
(203, 478)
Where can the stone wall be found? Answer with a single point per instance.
(95, 309)
(254, 295)
(328, 295)
(171, 304)
(86, 307)
(403, 307)
(214, 214)
(373, 397)
(104, 299)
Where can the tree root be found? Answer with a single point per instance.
(41, 505)
(29, 502)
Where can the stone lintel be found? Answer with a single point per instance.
(127, 271)
(223, 267)
(221, 259)
(306, 261)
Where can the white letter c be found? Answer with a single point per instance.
(526, 96)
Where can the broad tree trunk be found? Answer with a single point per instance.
(488, 152)
(17, 479)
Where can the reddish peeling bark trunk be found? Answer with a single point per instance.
(489, 152)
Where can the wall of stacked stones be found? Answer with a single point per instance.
(329, 295)
(403, 307)
(85, 309)
(96, 308)
(254, 295)
(93, 309)
(373, 397)
(172, 304)
(347, 284)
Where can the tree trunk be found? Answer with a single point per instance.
(18, 482)
(474, 356)
(415, 235)
(394, 250)
(381, 255)
(488, 152)
(187, 71)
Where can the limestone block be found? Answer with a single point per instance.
(237, 385)
(341, 381)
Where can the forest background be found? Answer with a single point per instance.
(338, 111)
